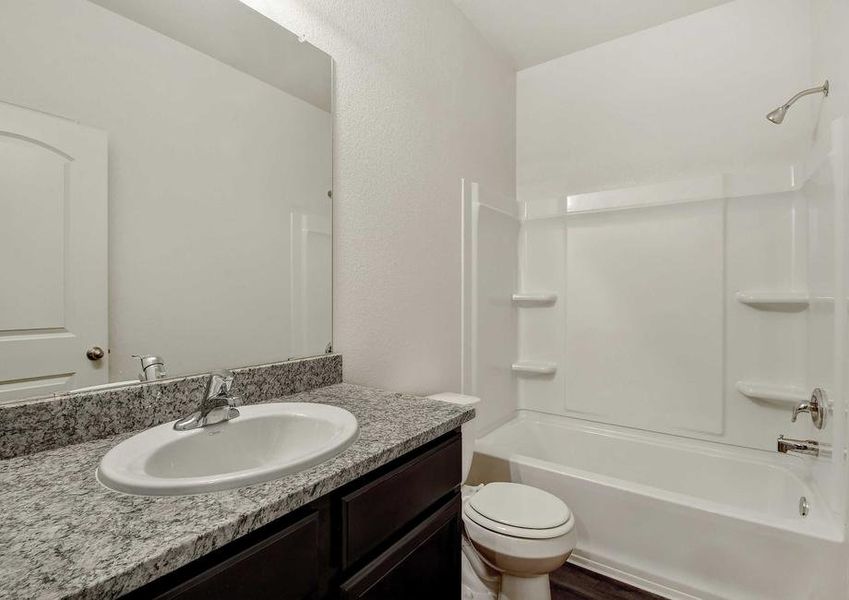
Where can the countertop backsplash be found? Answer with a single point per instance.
(54, 421)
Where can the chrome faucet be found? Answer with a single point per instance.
(817, 406)
(152, 367)
(218, 403)
(810, 447)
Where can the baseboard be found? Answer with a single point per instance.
(637, 581)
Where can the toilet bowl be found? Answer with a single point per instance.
(523, 533)
(514, 534)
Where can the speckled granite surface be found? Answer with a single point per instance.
(55, 421)
(63, 535)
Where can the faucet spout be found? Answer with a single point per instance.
(218, 403)
(809, 447)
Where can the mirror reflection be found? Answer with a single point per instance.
(165, 177)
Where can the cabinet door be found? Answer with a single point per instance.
(424, 564)
(283, 566)
(375, 512)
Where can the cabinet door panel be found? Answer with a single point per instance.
(377, 510)
(285, 566)
(424, 564)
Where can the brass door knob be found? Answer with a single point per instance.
(95, 353)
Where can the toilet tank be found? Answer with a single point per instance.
(467, 430)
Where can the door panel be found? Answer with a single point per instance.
(53, 253)
(422, 565)
(32, 234)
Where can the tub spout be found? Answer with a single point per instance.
(810, 447)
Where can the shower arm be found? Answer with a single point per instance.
(820, 89)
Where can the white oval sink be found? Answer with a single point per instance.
(265, 442)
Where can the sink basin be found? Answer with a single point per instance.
(265, 442)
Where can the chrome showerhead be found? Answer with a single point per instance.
(777, 116)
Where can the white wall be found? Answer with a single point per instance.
(830, 59)
(201, 181)
(421, 101)
(684, 98)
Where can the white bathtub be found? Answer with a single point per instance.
(681, 518)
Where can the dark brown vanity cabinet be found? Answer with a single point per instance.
(393, 533)
(424, 564)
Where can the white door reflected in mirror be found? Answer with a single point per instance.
(53, 254)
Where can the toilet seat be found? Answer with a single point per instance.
(519, 511)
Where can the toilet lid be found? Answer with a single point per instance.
(521, 506)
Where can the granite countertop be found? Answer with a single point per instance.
(64, 535)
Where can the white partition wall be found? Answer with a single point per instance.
(489, 320)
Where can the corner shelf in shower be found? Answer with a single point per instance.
(775, 300)
(781, 394)
(534, 298)
(530, 367)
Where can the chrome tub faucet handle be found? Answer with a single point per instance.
(817, 407)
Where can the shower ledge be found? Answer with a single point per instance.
(781, 394)
(534, 298)
(779, 300)
(529, 367)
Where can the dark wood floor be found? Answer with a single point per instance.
(574, 583)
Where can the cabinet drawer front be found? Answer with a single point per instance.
(424, 564)
(285, 566)
(375, 511)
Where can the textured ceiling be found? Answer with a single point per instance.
(530, 32)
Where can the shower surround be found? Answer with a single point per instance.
(675, 273)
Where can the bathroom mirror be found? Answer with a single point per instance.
(165, 189)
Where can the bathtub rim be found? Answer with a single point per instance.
(827, 526)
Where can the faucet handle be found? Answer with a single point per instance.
(802, 407)
(217, 405)
(817, 406)
(152, 367)
(220, 383)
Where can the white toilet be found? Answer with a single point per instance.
(515, 534)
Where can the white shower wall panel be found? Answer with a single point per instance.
(647, 331)
(542, 330)
(644, 317)
(765, 251)
(492, 238)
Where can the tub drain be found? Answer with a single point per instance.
(804, 507)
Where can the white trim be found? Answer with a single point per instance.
(617, 573)
(751, 182)
(497, 210)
